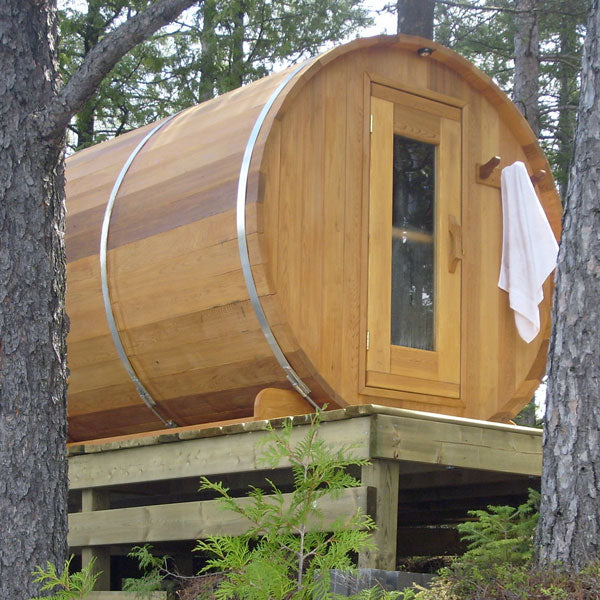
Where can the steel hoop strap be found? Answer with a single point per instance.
(141, 390)
(242, 191)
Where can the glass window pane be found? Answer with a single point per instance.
(413, 244)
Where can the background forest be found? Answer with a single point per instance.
(532, 48)
(223, 44)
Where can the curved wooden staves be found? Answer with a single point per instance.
(179, 296)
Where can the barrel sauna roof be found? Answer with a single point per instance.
(184, 313)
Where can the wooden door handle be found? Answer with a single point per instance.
(456, 254)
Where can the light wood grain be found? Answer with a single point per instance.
(384, 476)
(193, 458)
(458, 445)
(380, 239)
(179, 296)
(192, 520)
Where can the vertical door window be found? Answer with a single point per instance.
(413, 244)
(414, 285)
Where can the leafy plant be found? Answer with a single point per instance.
(499, 563)
(66, 586)
(285, 554)
(154, 569)
(501, 534)
(378, 593)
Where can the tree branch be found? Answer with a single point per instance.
(54, 118)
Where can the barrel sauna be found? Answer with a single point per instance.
(297, 170)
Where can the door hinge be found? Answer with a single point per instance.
(368, 339)
(371, 124)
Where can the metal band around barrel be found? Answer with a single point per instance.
(142, 391)
(242, 190)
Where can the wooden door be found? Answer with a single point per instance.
(414, 270)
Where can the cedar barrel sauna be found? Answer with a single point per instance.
(328, 229)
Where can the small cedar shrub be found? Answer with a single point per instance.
(499, 563)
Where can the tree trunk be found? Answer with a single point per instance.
(527, 62)
(33, 485)
(415, 17)
(236, 62)
(33, 324)
(208, 59)
(85, 119)
(569, 529)
(567, 108)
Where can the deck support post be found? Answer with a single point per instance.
(92, 500)
(384, 476)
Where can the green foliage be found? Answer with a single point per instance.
(284, 555)
(154, 569)
(500, 550)
(212, 49)
(65, 586)
(499, 564)
(377, 593)
(483, 31)
(501, 533)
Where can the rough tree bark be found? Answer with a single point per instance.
(33, 477)
(569, 529)
(567, 109)
(415, 17)
(527, 62)
(33, 326)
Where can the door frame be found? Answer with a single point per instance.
(438, 395)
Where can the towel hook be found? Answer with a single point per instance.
(538, 176)
(486, 169)
(487, 174)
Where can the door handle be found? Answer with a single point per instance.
(456, 253)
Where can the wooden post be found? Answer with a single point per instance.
(92, 500)
(384, 476)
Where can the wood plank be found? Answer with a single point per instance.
(191, 520)
(448, 300)
(356, 232)
(95, 500)
(312, 232)
(416, 385)
(332, 299)
(384, 476)
(459, 445)
(417, 102)
(380, 238)
(416, 124)
(466, 479)
(193, 458)
(412, 402)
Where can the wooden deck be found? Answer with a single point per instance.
(426, 471)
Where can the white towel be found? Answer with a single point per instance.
(529, 249)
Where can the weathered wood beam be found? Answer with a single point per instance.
(467, 492)
(205, 456)
(91, 501)
(460, 444)
(189, 520)
(451, 477)
(383, 475)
